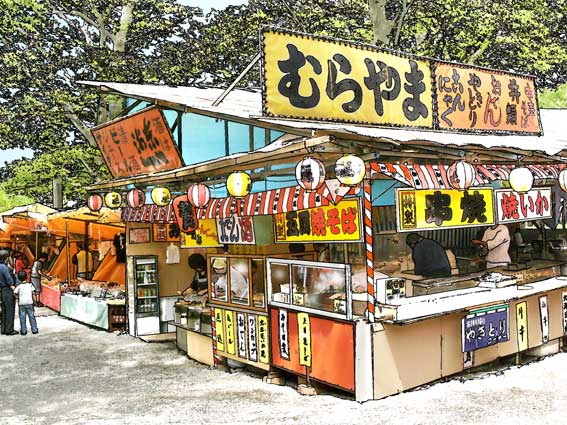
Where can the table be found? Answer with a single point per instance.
(85, 309)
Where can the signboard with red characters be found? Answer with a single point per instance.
(513, 206)
(339, 223)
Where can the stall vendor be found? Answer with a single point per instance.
(429, 257)
(199, 283)
(494, 245)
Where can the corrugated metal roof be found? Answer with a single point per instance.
(248, 104)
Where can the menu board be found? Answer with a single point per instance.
(484, 327)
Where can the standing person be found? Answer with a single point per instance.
(199, 284)
(36, 275)
(24, 291)
(495, 244)
(7, 283)
(83, 262)
(429, 256)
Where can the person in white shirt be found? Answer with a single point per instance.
(24, 291)
(495, 244)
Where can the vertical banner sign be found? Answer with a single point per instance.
(252, 338)
(304, 335)
(309, 77)
(485, 101)
(484, 327)
(522, 325)
(241, 333)
(220, 328)
(468, 359)
(263, 339)
(544, 316)
(283, 334)
(564, 306)
(230, 337)
(421, 209)
(339, 223)
(236, 230)
(137, 144)
(513, 206)
(186, 214)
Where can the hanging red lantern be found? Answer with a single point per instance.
(461, 175)
(94, 202)
(136, 198)
(310, 173)
(198, 195)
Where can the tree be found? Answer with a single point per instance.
(45, 47)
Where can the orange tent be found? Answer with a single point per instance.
(111, 271)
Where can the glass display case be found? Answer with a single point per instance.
(324, 288)
(143, 295)
(237, 280)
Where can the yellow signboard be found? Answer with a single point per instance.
(263, 339)
(340, 223)
(442, 208)
(219, 326)
(230, 335)
(304, 335)
(204, 236)
(522, 325)
(316, 78)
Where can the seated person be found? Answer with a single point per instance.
(429, 256)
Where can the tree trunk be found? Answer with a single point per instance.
(381, 25)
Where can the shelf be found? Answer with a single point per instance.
(141, 298)
(147, 314)
(145, 271)
(147, 284)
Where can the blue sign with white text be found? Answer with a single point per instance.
(485, 327)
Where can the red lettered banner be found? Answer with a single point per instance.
(326, 223)
(533, 205)
(185, 214)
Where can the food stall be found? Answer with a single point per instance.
(339, 178)
(99, 299)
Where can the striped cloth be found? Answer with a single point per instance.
(435, 176)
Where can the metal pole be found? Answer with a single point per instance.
(235, 82)
(68, 246)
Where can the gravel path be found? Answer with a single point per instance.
(72, 374)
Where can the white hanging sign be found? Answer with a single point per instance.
(544, 318)
(241, 335)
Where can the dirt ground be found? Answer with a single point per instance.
(72, 374)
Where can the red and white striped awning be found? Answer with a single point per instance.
(276, 201)
(435, 176)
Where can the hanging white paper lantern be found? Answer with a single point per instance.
(94, 202)
(310, 173)
(563, 180)
(238, 184)
(461, 175)
(521, 179)
(350, 170)
(161, 196)
(136, 198)
(198, 195)
(113, 199)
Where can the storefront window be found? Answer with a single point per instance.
(239, 281)
(320, 286)
(219, 278)
(258, 279)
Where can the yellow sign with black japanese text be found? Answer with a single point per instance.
(317, 78)
(219, 327)
(304, 335)
(420, 209)
(522, 325)
(340, 223)
(263, 339)
(204, 236)
(230, 334)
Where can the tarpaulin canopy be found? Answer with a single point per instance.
(111, 271)
(102, 225)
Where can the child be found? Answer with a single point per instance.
(36, 275)
(24, 292)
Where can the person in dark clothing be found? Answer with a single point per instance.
(429, 256)
(7, 285)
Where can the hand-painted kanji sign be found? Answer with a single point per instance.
(283, 334)
(522, 325)
(241, 335)
(137, 144)
(544, 316)
(163, 232)
(483, 100)
(435, 209)
(533, 205)
(263, 339)
(230, 334)
(304, 335)
(219, 320)
(329, 223)
(186, 214)
(252, 338)
(204, 236)
(564, 310)
(236, 230)
(312, 77)
(484, 327)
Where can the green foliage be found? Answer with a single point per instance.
(554, 98)
(8, 201)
